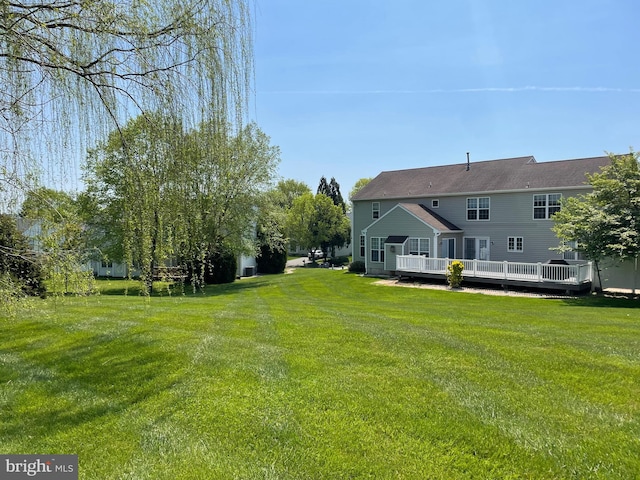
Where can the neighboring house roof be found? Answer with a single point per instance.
(487, 176)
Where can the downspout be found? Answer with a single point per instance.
(435, 238)
(366, 251)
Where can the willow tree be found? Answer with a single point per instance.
(73, 71)
(133, 181)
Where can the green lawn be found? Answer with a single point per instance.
(322, 374)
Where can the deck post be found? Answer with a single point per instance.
(505, 265)
(539, 272)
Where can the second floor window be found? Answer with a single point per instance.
(545, 205)
(478, 208)
(375, 210)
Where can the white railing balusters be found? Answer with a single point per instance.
(530, 272)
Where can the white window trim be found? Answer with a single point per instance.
(435, 203)
(380, 249)
(545, 206)
(515, 244)
(375, 208)
(477, 210)
(422, 243)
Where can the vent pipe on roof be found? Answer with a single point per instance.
(468, 165)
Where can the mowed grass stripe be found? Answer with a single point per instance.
(321, 374)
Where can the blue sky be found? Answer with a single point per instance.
(350, 88)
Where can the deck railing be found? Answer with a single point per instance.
(575, 274)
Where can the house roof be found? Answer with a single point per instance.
(487, 176)
(430, 217)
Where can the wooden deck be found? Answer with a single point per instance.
(574, 277)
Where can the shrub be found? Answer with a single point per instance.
(217, 267)
(454, 273)
(338, 261)
(357, 267)
(26, 272)
(271, 261)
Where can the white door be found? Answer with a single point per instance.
(483, 249)
(477, 248)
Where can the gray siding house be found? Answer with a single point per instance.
(497, 210)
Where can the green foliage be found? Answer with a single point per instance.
(332, 190)
(61, 239)
(454, 273)
(20, 272)
(339, 261)
(165, 194)
(213, 268)
(357, 267)
(270, 261)
(606, 222)
(315, 221)
(359, 185)
(89, 64)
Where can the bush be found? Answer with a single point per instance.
(357, 267)
(338, 261)
(454, 273)
(26, 272)
(217, 267)
(271, 261)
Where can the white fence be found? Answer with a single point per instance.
(527, 272)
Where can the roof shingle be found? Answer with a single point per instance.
(488, 176)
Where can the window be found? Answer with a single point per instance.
(375, 210)
(419, 246)
(545, 205)
(362, 251)
(435, 203)
(515, 244)
(377, 249)
(107, 264)
(478, 208)
(571, 254)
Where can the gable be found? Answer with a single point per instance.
(409, 217)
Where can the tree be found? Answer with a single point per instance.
(584, 227)
(132, 178)
(313, 221)
(187, 196)
(271, 228)
(224, 183)
(332, 190)
(20, 273)
(606, 222)
(286, 191)
(359, 185)
(71, 72)
(61, 238)
(341, 236)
